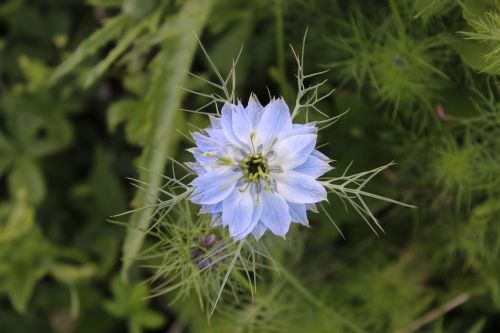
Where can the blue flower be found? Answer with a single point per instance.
(256, 171)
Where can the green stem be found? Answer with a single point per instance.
(165, 100)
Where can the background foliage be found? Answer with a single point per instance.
(90, 93)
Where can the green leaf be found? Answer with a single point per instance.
(474, 54)
(59, 134)
(149, 319)
(129, 112)
(131, 303)
(111, 29)
(123, 43)
(19, 221)
(70, 274)
(163, 101)
(20, 282)
(26, 177)
(35, 72)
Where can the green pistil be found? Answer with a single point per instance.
(255, 168)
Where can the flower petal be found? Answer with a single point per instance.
(237, 212)
(257, 213)
(217, 135)
(313, 167)
(259, 230)
(298, 213)
(297, 129)
(196, 167)
(312, 207)
(212, 209)
(254, 108)
(228, 111)
(294, 151)
(215, 121)
(242, 125)
(205, 143)
(275, 119)
(299, 188)
(216, 220)
(321, 156)
(206, 162)
(275, 215)
(214, 186)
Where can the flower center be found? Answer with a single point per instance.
(255, 168)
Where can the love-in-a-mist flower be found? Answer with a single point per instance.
(257, 171)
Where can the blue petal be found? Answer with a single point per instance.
(299, 188)
(312, 207)
(211, 209)
(237, 212)
(216, 220)
(298, 129)
(213, 187)
(275, 214)
(227, 125)
(275, 119)
(243, 125)
(239, 106)
(201, 157)
(196, 167)
(298, 213)
(314, 167)
(257, 212)
(215, 121)
(205, 143)
(321, 156)
(294, 151)
(254, 108)
(217, 136)
(259, 230)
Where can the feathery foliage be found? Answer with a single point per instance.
(97, 102)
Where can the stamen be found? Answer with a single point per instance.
(225, 161)
(246, 187)
(252, 136)
(255, 168)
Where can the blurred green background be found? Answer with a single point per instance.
(90, 93)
